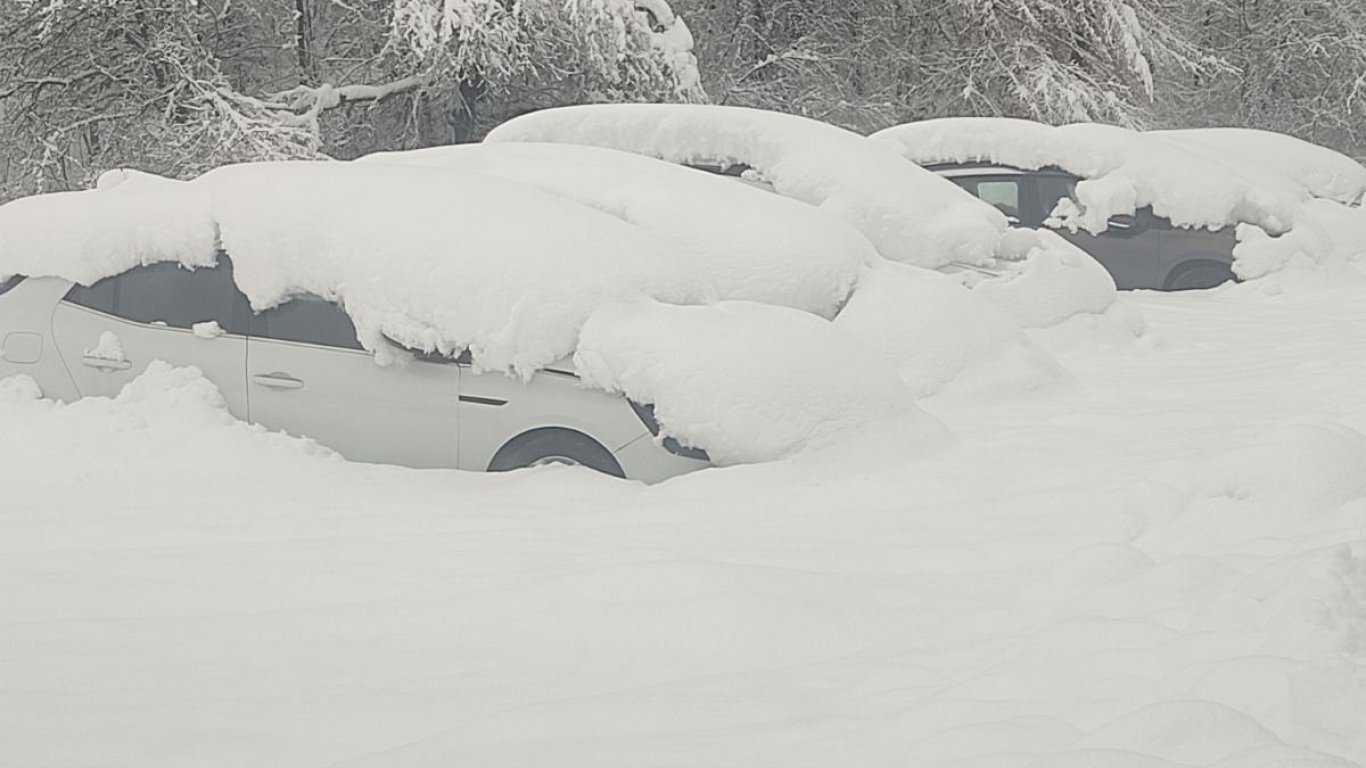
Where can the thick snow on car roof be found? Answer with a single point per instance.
(749, 244)
(910, 214)
(1323, 172)
(1194, 178)
(436, 259)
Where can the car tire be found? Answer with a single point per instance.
(1199, 276)
(555, 446)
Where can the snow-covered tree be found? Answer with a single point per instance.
(175, 86)
(1297, 66)
(869, 62)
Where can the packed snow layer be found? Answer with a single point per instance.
(776, 381)
(1197, 179)
(908, 213)
(1161, 566)
(748, 244)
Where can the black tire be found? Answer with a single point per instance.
(555, 446)
(1193, 277)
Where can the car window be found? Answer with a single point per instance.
(307, 319)
(9, 283)
(1053, 189)
(1002, 193)
(168, 294)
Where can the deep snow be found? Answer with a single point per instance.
(1162, 563)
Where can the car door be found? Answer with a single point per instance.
(107, 333)
(1129, 249)
(309, 376)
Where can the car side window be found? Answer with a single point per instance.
(7, 284)
(1052, 190)
(168, 294)
(307, 319)
(1004, 194)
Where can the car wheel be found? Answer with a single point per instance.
(542, 447)
(1198, 276)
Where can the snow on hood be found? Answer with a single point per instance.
(779, 381)
(443, 260)
(908, 213)
(750, 245)
(1197, 179)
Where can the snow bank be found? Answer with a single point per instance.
(747, 244)
(777, 380)
(1150, 570)
(936, 334)
(1195, 179)
(910, 214)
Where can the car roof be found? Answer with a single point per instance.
(991, 169)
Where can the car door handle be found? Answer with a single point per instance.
(278, 381)
(106, 364)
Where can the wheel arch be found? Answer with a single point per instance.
(562, 433)
(1196, 261)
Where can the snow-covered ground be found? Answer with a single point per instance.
(1159, 561)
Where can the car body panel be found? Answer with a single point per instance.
(643, 459)
(27, 309)
(494, 409)
(1139, 251)
(77, 330)
(402, 413)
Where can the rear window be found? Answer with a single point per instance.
(5, 285)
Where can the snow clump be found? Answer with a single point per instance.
(777, 380)
(749, 245)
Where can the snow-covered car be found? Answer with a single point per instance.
(1160, 209)
(1140, 250)
(298, 367)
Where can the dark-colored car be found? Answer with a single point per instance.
(1140, 251)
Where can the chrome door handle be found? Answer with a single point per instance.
(105, 364)
(278, 381)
